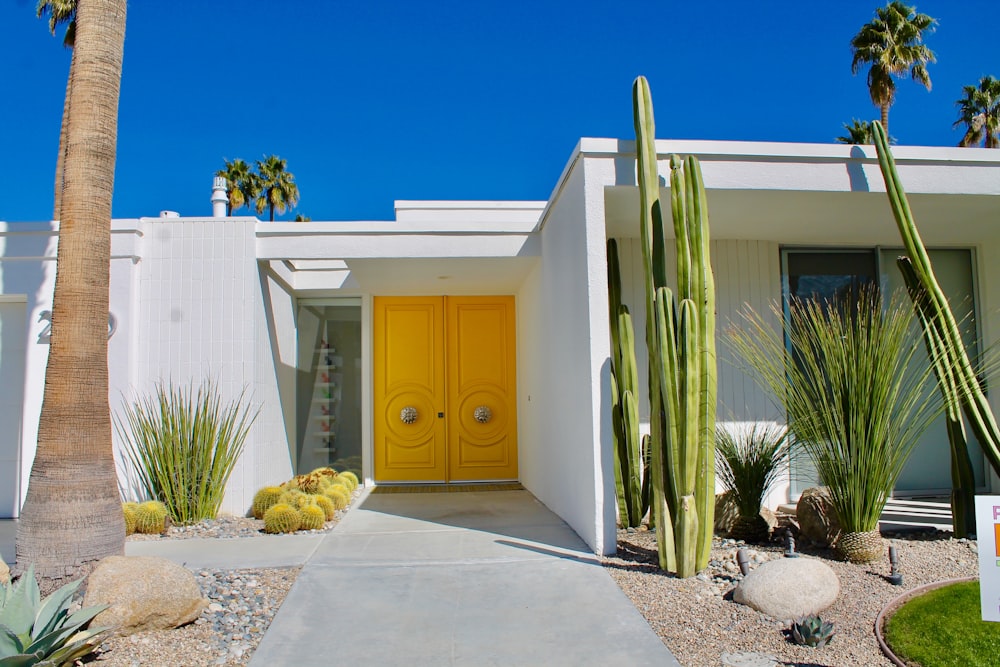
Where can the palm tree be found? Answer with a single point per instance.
(242, 184)
(60, 11)
(278, 189)
(979, 111)
(860, 132)
(893, 45)
(72, 515)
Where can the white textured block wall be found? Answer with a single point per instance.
(201, 317)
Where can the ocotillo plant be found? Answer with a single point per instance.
(970, 394)
(680, 339)
(632, 503)
(963, 480)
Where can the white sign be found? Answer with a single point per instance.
(988, 534)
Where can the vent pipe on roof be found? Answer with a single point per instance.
(219, 197)
(169, 214)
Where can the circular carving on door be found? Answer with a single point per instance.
(407, 415)
(483, 413)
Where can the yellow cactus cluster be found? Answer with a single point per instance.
(304, 502)
(149, 517)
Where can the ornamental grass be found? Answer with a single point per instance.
(183, 443)
(856, 400)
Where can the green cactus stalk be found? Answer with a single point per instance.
(282, 518)
(624, 405)
(963, 480)
(970, 393)
(680, 339)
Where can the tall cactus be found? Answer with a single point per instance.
(963, 479)
(970, 393)
(633, 501)
(680, 339)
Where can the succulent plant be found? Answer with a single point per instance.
(325, 472)
(265, 498)
(129, 510)
(327, 505)
(313, 517)
(349, 477)
(282, 518)
(151, 517)
(812, 631)
(290, 497)
(340, 496)
(44, 632)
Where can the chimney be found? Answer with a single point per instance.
(219, 197)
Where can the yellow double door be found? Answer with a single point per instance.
(444, 389)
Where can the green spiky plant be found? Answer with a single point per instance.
(282, 518)
(628, 454)
(183, 443)
(44, 632)
(350, 478)
(680, 340)
(150, 517)
(327, 505)
(340, 496)
(748, 462)
(856, 405)
(129, 511)
(957, 379)
(264, 499)
(312, 517)
(812, 631)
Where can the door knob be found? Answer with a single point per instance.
(482, 414)
(408, 415)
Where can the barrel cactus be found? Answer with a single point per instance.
(324, 472)
(265, 498)
(129, 510)
(312, 517)
(340, 496)
(350, 477)
(325, 504)
(151, 517)
(282, 518)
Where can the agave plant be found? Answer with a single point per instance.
(748, 462)
(812, 631)
(43, 632)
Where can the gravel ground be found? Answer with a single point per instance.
(703, 627)
(242, 604)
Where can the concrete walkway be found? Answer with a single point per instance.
(480, 578)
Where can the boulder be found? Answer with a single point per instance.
(145, 593)
(817, 520)
(726, 515)
(4, 572)
(789, 588)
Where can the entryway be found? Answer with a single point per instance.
(444, 389)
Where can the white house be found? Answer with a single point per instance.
(468, 341)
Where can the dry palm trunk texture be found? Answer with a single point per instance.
(72, 514)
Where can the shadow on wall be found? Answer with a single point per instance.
(856, 171)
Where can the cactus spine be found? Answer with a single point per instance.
(632, 504)
(969, 392)
(680, 339)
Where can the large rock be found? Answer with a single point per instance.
(145, 593)
(4, 572)
(789, 588)
(817, 519)
(726, 515)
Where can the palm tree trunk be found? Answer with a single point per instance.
(885, 118)
(72, 515)
(60, 158)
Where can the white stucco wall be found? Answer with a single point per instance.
(561, 417)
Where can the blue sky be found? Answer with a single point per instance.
(381, 100)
